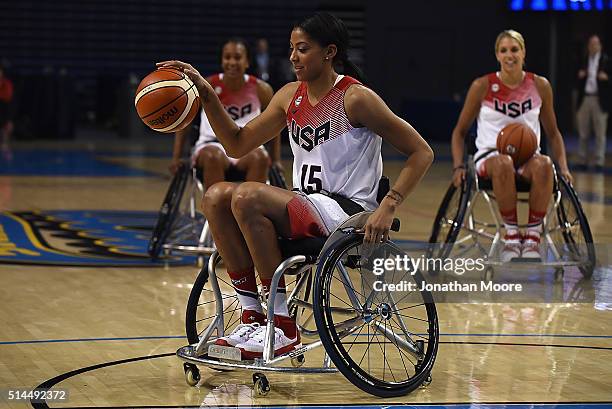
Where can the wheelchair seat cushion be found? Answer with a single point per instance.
(310, 246)
(521, 184)
(232, 174)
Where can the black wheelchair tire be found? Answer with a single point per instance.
(465, 193)
(335, 350)
(168, 211)
(565, 187)
(277, 178)
(192, 304)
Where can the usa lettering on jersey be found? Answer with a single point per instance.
(237, 112)
(308, 137)
(513, 109)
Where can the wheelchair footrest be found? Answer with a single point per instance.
(224, 352)
(186, 353)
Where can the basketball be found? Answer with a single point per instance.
(167, 100)
(518, 141)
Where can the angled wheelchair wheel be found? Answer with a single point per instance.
(277, 178)
(202, 304)
(168, 211)
(381, 339)
(449, 219)
(575, 229)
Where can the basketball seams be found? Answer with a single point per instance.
(181, 76)
(191, 99)
(169, 103)
(167, 97)
(524, 147)
(182, 83)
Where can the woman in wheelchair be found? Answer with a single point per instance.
(496, 100)
(335, 126)
(244, 97)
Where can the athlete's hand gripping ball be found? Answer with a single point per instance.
(194, 75)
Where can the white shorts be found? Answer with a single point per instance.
(329, 210)
(199, 147)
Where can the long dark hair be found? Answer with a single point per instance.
(326, 29)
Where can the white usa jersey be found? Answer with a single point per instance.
(242, 105)
(330, 155)
(502, 106)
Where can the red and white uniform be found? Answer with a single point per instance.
(242, 105)
(330, 155)
(502, 106)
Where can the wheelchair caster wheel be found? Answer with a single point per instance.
(426, 382)
(192, 374)
(261, 384)
(298, 361)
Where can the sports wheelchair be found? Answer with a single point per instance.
(383, 341)
(463, 227)
(180, 227)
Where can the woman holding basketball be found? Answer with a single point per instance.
(244, 97)
(512, 95)
(334, 125)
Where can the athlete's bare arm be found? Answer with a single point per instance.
(265, 94)
(468, 114)
(239, 141)
(549, 122)
(365, 108)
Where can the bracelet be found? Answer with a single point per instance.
(458, 167)
(397, 193)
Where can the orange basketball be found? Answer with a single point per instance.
(167, 100)
(518, 141)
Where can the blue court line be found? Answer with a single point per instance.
(475, 405)
(45, 341)
(48, 341)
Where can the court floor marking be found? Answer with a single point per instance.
(145, 338)
(50, 383)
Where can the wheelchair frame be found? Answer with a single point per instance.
(186, 231)
(464, 219)
(194, 354)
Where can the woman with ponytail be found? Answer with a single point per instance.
(335, 126)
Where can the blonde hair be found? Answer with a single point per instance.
(513, 34)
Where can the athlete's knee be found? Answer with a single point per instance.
(541, 169)
(211, 156)
(218, 196)
(247, 199)
(259, 157)
(501, 166)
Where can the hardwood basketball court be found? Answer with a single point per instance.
(108, 335)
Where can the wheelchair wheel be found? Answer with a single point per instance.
(449, 219)
(277, 178)
(168, 211)
(575, 229)
(384, 342)
(201, 306)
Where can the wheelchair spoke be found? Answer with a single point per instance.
(406, 308)
(357, 337)
(367, 351)
(383, 349)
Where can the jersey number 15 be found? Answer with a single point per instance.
(313, 184)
